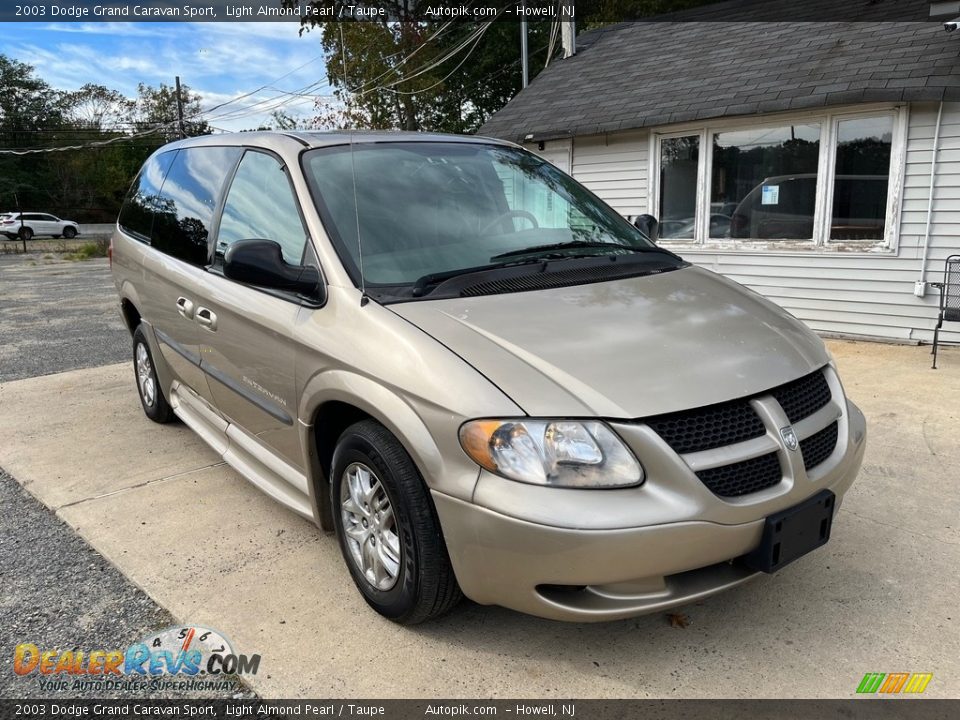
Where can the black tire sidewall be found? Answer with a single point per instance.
(160, 411)
(25, 233)
(69, 233)
(400, 600)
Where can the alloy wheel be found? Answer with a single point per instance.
(145, 378)
(370, 526)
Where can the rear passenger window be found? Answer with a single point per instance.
(136, 215)
(188, 199)
(261, 205)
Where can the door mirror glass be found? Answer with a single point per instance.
(261, 263)
(649, 226)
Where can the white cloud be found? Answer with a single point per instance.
(220, 61)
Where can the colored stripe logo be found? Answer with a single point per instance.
(890, 683)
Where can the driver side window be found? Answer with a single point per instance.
(261, 205)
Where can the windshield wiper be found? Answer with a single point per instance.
(434, 279)
(570, 245)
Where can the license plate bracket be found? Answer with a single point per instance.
(792, 533)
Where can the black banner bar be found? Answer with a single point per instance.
(853, 709)
(581, 11)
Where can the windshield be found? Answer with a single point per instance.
(425, 208)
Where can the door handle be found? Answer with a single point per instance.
(185, 307)
(207, 318)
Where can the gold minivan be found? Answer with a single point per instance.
(477, 374)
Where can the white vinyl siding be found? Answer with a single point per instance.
(833, 292)
(612, 166)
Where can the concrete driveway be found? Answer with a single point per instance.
(880, 597)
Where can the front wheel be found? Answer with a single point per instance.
(69, 233)
(155, 405)
(388, 529)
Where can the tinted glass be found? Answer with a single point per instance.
(862, 177)
(188, 199)
(424, 208)
(678, 186)
(764, 180)
(136, 215)
(260, 204)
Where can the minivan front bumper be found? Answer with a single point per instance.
(576, 574)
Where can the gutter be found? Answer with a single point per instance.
(921, 287)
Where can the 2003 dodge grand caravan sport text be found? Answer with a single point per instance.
(477, 373)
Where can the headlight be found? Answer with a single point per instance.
(562, 453)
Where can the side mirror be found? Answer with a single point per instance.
(649, 226)
(260, 262)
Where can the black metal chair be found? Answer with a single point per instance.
(949, 299)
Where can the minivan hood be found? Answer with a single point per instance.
(625, 348)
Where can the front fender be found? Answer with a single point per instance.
(437, 453)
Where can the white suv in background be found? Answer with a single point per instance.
(37, 224)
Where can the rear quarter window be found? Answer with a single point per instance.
(136, 215)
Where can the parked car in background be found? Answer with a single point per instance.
(782, 208)
(37, 225)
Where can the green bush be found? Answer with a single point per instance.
(90, 250)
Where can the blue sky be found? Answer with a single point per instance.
(221, 61)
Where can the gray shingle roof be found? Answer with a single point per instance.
(637, 75)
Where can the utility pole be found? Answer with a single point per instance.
(524, 59)
(183, 132)
(23, 237)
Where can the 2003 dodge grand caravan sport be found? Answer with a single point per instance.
(477, 373)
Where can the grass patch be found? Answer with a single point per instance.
(90, 250)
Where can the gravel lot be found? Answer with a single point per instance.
(60, 593)
(57, 315)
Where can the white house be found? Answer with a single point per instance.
(817, 163)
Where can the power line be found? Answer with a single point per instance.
(100, 143)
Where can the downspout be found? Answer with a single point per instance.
(921, 289)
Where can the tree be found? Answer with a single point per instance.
(27, 103)
(156, 108)
(97, 107)
(405, 73)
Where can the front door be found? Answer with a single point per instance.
(248, 342)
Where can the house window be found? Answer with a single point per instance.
(861, 178)
(764, 182)
(679, 159)
(814, 180)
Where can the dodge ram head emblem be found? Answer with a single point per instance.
(789, 438)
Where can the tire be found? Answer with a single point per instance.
(25, 233)
(155, 405)
(69, 233)
(401, 518)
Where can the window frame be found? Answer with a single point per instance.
(829, 120)
(212, 258)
